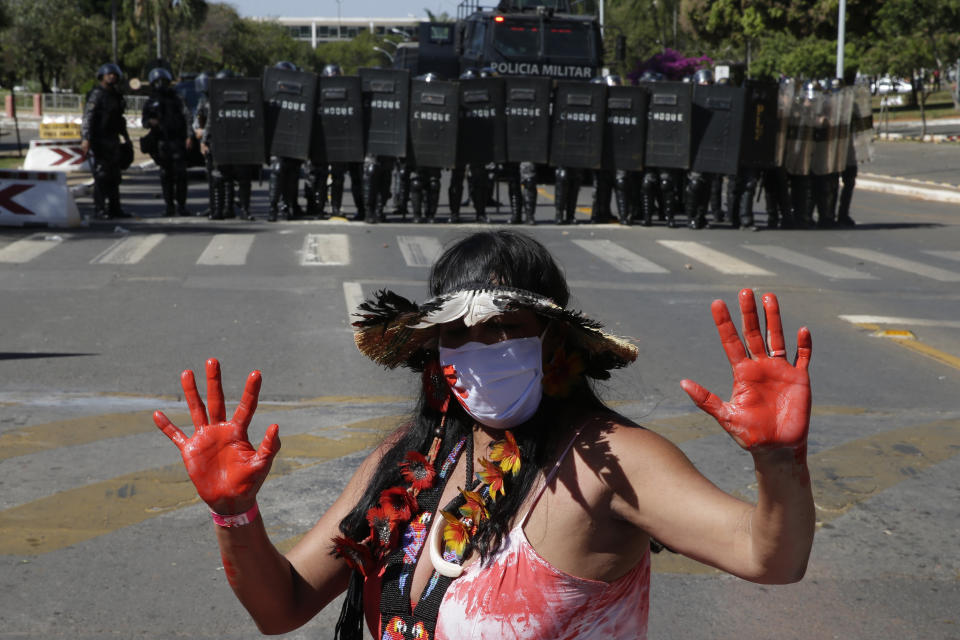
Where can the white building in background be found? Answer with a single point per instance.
(317, 30)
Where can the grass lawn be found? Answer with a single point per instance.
(938, 105)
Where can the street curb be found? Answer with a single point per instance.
(930, 137)
(910, 190)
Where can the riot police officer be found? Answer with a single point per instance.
(284, 177)
(103, 126)
(478, 180)
(604, 179)
(659, 187)
(167, 118)
(424, 181)
(201, 116)
(701, 187)
(231, 184)
(316, 189)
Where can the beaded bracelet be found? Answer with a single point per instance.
(237, 520)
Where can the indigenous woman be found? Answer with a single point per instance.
(513, 503)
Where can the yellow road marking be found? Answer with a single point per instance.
(78, 431)
(908, 340)
(76, 515)
(550, 196)
(855, 471)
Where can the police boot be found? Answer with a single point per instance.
(229, 199)
(166, 186)
(274, 193)
(181, 192)
(454, 194)
(560, 204)
(99, 202)
(716, 197)
(624, 206)
(516, 203)
(416, 198)
(530, 204)
(218, 200)
(478, 193)
(243, 196)
(291, 195)
(433, 198)
(113, 197)
(336, 196)
(696, 216)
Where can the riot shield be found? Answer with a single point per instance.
(291, 99)
(338, 124)
(236, 121)
(626, 128)
(668, 125)
(434, 120)
(862, 123)
(483, 127)
(785, 97)
(825, 125)
(717, 128)
(758, 148)
(799, 149)
(579, 113)
(386, 106)
(845, 99)
(527, 107)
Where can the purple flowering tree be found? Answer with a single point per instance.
(672, 64)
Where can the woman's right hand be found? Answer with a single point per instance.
(221, 462)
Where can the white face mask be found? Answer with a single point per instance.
(498, 384)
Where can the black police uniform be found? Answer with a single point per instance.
(168, 118)
(103, 126)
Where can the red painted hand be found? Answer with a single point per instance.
(219, 458)
(769, 407)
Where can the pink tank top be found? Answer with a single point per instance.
(518, 594)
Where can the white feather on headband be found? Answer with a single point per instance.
(473, 305)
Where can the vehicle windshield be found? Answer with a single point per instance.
(516, 40)
(569, 40)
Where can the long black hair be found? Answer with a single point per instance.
(504, 258)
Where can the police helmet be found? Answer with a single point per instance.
(224, 73)
(202, 82)
(613, 80)
(703, 76)
(651, 76)
(285, 65)
(597, 80)
(488, 72)
(429, 77)
(469, 74)
(108, 68)
(810, 89)
(332, 70)
(836, 84)
(160, 77)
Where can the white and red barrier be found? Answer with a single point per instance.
(56, 155)
(36, 198)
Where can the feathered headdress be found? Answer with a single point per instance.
(394, 331)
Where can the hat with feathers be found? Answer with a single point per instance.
(393, 331)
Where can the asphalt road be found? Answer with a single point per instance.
(100, 535)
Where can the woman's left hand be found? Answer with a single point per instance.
(769, 407)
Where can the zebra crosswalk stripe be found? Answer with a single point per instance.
(949, 255)
(130, 250)
(227, 249)
(901, 264)
(419, 251)
(714, 259)
(804, 261)
(325, 249)
(619, 258)
(26, 249)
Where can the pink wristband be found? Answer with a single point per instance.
(237, 520)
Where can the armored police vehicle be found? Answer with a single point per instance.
(529, 38)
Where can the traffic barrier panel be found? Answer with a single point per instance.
(36, 199)
(59, 130)
(56, 155)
